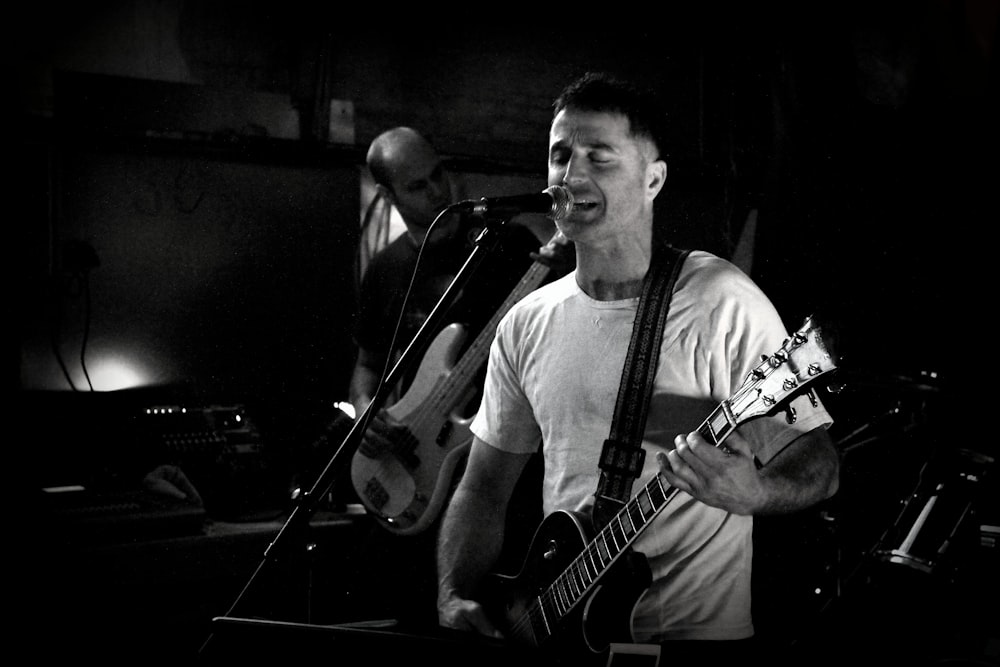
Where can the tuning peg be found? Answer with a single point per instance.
(791, 415)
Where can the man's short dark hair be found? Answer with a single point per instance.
(603, 92)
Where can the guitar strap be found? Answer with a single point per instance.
(622, 455)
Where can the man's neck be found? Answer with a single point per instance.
(603, 290)
(612, 274)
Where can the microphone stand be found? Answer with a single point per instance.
(308, 502)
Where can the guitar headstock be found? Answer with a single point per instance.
(557, 240)
(803, 358)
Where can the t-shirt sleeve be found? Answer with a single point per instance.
(508, 422)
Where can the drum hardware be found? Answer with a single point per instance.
(849, 442)
(910, 399)
(929, 526)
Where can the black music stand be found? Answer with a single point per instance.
(366, 643)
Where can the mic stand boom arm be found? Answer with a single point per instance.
(486, 242)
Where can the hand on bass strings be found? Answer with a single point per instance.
(383, 435)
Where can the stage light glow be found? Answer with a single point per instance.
(114, 372)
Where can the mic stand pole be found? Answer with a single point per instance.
(487, 241)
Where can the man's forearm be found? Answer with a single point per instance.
(469, 544)
(805, 473)
(363, 384)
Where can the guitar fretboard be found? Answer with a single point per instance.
(579, 578)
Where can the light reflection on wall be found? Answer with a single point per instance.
(107, 371)
(110, 363)
(114, 372)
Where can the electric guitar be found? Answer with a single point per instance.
(571, 590)
(404, 486)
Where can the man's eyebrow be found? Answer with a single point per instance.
(597, 145)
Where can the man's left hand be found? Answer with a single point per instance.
(723, 476)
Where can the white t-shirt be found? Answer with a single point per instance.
(554, 373)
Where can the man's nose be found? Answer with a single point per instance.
(574, 172)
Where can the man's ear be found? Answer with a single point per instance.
(656, 177)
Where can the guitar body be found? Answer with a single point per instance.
(406, 487)
(586, 633)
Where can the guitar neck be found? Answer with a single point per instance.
(477, 352)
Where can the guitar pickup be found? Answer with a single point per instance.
(376, 493)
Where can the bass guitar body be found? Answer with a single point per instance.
(405, 487)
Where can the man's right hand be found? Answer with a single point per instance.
(460, 614)
(382, 436)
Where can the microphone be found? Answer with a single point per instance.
(554, 201)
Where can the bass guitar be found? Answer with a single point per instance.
(569, 584)
(404, 486)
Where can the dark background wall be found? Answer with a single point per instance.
(187, 183)
(199, 133)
